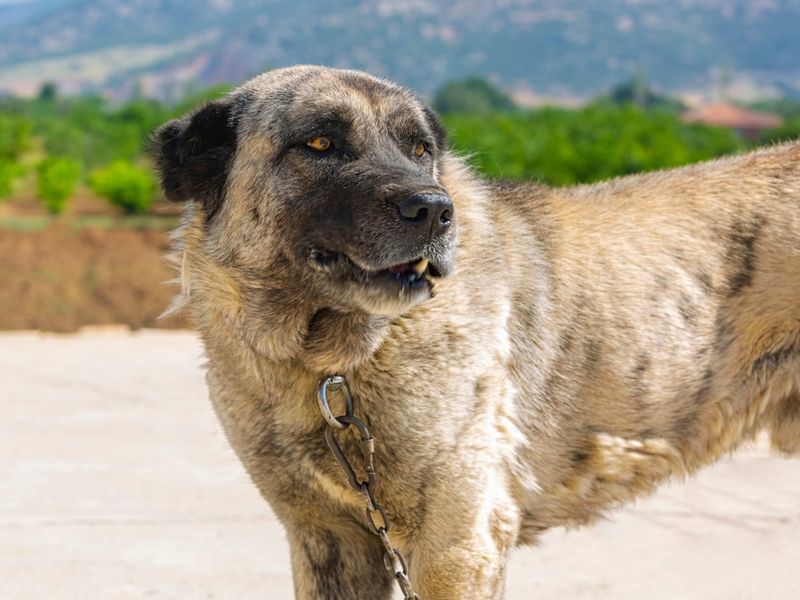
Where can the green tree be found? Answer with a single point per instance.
(48, 92)
(788, 108)
(636, 91)
(9, 171)
(125, 185)
(94, 132)
(790, 130)
(14, 136)
(472, 95)
(14, 140)
(56, 182)
(562, 147)
(194, 98)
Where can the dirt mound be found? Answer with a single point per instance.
(62, 278)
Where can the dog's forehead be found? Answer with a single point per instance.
(281, 97)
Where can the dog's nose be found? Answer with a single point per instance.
(427, 211)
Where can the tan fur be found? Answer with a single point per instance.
(590, 343)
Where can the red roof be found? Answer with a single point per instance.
(727, 115)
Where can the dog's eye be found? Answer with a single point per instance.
(320, 144)
(420, 149)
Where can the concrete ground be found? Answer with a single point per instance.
(116, 482)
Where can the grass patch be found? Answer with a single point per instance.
(39, 223)
(25, 223)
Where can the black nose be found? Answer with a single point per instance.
(427, 211)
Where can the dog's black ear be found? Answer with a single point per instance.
(438, 129)
(193, 155)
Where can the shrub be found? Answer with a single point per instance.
(636, 91)
(788, 131)
(125, 185)
(14, 136)
(563, 147)
(8, 172)
(57, 179)
(472, 95)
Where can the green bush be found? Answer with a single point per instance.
(636, 91)
(788, 108)
(562, 147)
(125, 185)
(14, 136)
(14, 141)
(57, 180)
(8, 172)
(472, 95)
(788, 131)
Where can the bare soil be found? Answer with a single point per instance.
(63, 277)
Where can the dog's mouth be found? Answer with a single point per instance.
(411, 275)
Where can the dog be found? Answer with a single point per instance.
(525, 357)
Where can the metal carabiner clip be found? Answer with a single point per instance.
(334, 383)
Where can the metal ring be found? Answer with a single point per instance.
(335, 383)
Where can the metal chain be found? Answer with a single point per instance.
(378, 522)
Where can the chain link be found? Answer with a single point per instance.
(377, 520)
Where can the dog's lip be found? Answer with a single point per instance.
(420, 266)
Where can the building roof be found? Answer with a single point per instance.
(722, 114)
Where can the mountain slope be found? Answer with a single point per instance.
(552, 46)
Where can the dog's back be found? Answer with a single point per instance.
(675, 298)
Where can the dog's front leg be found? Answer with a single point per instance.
(341, 565)
(462, 551)
(472, 570)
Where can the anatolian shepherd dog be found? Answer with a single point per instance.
(525, 357)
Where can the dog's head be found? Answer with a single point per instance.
(328, 177)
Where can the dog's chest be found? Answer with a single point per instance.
(442, 419)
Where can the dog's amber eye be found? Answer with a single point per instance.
(321, 143)
(420, 149)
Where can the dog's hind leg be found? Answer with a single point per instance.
(784, 429)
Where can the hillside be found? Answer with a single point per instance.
(564, 47)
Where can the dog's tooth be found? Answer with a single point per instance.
(420, 266)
